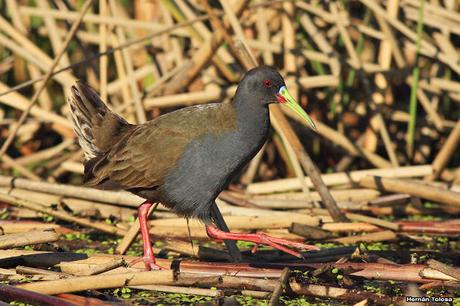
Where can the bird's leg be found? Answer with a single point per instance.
(149, 257)
(219, 221)
(277, 243)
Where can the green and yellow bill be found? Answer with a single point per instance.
(284, 97)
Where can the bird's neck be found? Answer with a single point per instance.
(253, 117)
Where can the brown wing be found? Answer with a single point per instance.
(143, 158)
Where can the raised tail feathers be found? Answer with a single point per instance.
(96, 126)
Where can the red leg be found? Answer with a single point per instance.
(277, 243)
(149, 258)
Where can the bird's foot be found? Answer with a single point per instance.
(258, 239)
(149, 262)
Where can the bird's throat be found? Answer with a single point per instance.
(253, 118)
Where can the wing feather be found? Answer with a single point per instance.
(144, 158)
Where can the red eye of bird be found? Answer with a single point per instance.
(268, 83)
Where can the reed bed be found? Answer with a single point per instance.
(377, 188)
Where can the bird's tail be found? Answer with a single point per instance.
(94, 123)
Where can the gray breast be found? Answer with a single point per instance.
(206, 167)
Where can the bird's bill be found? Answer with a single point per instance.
(284, 97)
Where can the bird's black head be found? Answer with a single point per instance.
(264, 85)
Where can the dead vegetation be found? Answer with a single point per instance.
(380, 79)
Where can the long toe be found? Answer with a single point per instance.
(282, 244)
(154, 266)
(293, 244)
(260, 238)
(266, 241)
(149, 263)
(135, 261)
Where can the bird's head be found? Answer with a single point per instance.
(267, 86)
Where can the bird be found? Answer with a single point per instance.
(184, 158)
